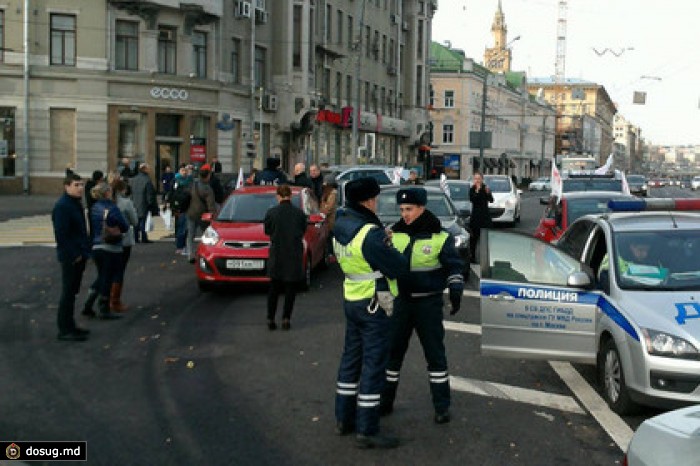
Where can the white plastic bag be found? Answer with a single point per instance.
(167, 216)
(149, 222)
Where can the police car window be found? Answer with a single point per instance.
(524, 259)
(574, 239)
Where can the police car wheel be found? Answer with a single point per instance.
(615, 390)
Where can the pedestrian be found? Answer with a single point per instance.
(250, 180)
(167, 179)
(97, 176)
(316, 181)
(285, 224)
(300, 176)
(434, 265)
(271, 174)
(124, 169)
(128, 211)
(413, 178)
(216, 165)
(480, 196)
(371, 266)
(143, 193)
(181, 190)
(328, 207)
(105, 218)
(73, 251)
(217, 188)
(202, 201)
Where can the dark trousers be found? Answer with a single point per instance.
(290, 293)
(140, 231)
(474, 235)
(424, 315)
(180, 231)
(108, 266)
(126, 255)
(71, 276)
(361, 373)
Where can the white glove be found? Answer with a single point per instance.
(386, 301)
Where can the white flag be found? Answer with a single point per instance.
(625, 186)
(397, 175)
(604, 169)
(443, 184)
(557, 187)
(240, 180)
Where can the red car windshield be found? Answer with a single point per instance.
(250, 208)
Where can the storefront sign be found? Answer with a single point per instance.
(169, 93)
(198, 150)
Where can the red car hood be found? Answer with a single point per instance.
(241, 231)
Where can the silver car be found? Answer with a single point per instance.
(505, 207)
(583, 299)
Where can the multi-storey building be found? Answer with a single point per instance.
(627, 145)
(166, 82)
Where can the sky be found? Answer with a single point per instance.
(656, 47)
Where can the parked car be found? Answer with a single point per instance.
(459, 195)
(637, 184)
(540, 184)
(235, 248)
(669, 438)
(559, 215)
(695, 183)
(587, 181)
(505, 207)
(342, 173)
(440, 205)
(638, 322)
(657, 183)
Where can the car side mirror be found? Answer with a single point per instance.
(544, 200)
(316, 218)
(207, 217)
(579, 280)
(604, 281)
(549, 223)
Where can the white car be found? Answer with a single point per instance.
(505, 207)
(669, 438)
(695, 183)
(618, 290)
(540, 184)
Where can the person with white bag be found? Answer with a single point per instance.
(126, 207)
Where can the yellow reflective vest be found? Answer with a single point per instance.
(426, 251)
(360, 279)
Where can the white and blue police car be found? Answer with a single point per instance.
(620, 290)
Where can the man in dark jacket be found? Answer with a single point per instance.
(202, 202)
(370, 265)
(285, 224)
(316, 181)
(434, 265)
(143, 193)
(73, 250)
(300, 177)
(97, 176)
(271, 175)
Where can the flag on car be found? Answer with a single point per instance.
(397, 175)
(556, 181)
(625, 186)
(443, 184)
(240, 180)
(604, 169)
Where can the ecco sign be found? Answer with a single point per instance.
(169, 93)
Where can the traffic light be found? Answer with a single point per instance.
(251, 150)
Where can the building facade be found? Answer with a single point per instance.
(167, 82)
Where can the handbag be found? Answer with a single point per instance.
(110, 235)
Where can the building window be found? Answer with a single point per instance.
(351, 39)
(348, 89)
(126, 45)
(375, 46)
(328, 20)
(7, 141)
(384, 50)
(449, 99)
(339, 88)
(236, 61)
(448, 133)
(2, 36)
(419, 41)
(419, 86)
(260, 70)
(199, 49)
(431, 100)
(167, 50)
(339, 32)
(296, 37)
(368, 37)
(62, 39)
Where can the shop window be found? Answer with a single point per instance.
(126, 45)
(7, 141)
(168, 125)
(131, 137)
(63, 39)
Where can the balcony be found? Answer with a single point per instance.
(148, 9)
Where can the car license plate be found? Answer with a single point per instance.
(244, 264)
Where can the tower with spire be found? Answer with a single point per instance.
(498, 58)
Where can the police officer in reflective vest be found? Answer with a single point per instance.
(370, 265)
(434, 265)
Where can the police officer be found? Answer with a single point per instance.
(434, 265)
(370, 265)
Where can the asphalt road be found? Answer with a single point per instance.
(190, 378)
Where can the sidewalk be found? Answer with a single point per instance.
(26, 220)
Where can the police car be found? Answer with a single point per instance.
(620, 290)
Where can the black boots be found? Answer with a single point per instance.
(105, 313)
(88, 311)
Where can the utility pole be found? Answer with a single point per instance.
(25, 177)
(482, 130)
(544, 131)
(251, 137)
(358, 68)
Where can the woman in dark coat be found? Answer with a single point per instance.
(480, 196)
(286, 225)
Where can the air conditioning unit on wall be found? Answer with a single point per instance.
(242, 9)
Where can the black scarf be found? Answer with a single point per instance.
(427, 223)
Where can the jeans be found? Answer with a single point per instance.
(180, 231)
(108, 268)
(140, 232)
(192, 226)
(71, 276)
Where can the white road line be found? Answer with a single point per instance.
(462, 327)
(618, 430)
(518, 394)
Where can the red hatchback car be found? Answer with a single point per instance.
(235, 248)
(557, 217)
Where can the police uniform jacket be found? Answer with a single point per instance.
(421, 242)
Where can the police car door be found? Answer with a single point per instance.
(536, 301)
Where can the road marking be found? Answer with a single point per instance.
(462, 327)
(616, 428)
(518, 394)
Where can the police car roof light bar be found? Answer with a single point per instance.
(654, 204)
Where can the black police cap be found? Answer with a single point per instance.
(361, 189)
(416, 196)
